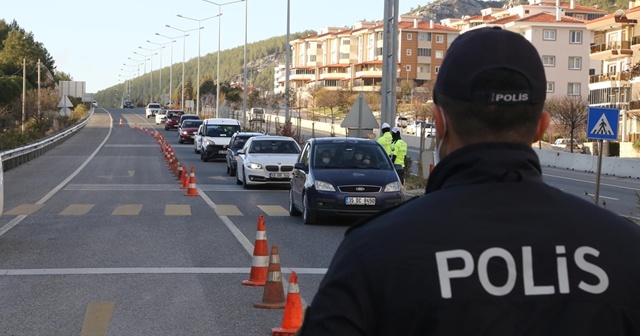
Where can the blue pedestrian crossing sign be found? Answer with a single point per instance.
(602, 123)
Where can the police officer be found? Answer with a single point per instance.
(490, 248)
(398, 151)
(385, 138)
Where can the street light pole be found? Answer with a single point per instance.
(153, 53)
(173, 39)
(144, 88)
(162, 45)
(218, 62)
(198, 79)
(184, 45)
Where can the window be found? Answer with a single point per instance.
(346, 41)
(424, 52)
(575, 63)
(551, 87)
(312, 58)
(409, 36)
(422, 36)
(407, 68)
(439, 54)
(549, 34)
(408, 52)
(575, 36)
(439, 38)
(344, 55)
(436, 69)
(579, 16)
(549, 61)
(573, 89)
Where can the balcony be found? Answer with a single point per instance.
(610, 77)
(611, 50)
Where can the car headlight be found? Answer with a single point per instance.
(208, 143)
(253, 165)
(393, 187)
(324, 186)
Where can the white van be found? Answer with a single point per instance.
(213, 137)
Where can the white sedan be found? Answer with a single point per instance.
(266, 159)
(161, 117)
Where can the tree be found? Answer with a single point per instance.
(570, 113)
(331, 99)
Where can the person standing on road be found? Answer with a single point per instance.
(398, 151)
(385, 138)
(490, 248)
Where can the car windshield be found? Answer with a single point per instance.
(274, 147)
(351, 156)
(191, 123)
(222, 130)
(154, 106)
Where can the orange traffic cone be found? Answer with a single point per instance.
(185, 180)
(260, 261)
(120, 122)
(180, 173)
(192, 184)
(292, 318)
(273, 296)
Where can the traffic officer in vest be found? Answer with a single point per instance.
(398, 151)
(385, 139)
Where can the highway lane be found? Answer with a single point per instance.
(100, 226)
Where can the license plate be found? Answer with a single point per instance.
(360, 201)
(278, 175)
(222, 152)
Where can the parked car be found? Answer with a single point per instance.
(172, 120)
(348, 184)
(402, 121)
(237, 142)
(188, 129)
(416, 126)
(152, 109)
(563, 143)
(127, 104)
(266, 159)
(213, 136)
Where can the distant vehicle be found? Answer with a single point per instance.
(563, 143)
(257, 113)
(359, 180)
(94, 103)
(161, 116)
(152, 109)
(213, 137)
(188, 129)
(416, 126)
(237, 142)
(127, 104)
(266, 159)
(402, 121)
(172, 121)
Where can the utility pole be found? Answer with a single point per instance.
(389, 61)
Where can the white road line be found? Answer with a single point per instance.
(149, 270)
(591, 182)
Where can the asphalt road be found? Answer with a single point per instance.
(97, 238)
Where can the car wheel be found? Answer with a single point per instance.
(308, 217)
(292, 208)
(203, 157)
(238, 182)
(180, 140)
(232, 171)
(245, 185)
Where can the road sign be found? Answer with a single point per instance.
(602, 123)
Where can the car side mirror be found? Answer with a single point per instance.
(240, 151)
(300, 166)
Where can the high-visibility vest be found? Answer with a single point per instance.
(399, 149)
(385, 140)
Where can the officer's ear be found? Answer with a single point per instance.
(543, 124)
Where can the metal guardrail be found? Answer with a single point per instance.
(14, 157)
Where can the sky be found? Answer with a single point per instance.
(91, 40)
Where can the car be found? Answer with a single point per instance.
(266, 160)
(188, 129)
(127, 104)
(172, 121)
(347, 186)
(402, 121)
(152, 109)
(188, 116)
(563, 143)
(161, 116)
(212, 139)
(237, 142)
(416, 126)
(94, 103)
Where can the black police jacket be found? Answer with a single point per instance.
(489, 250)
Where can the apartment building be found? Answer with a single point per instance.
(614, 81)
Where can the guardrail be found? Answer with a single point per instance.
(14, 157)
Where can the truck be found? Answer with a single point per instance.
(152, 109)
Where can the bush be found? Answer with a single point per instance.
(636, 145)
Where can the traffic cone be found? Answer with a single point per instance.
(120, 122)
(180, 173)
(192, 184)
(185, 180)
(273, 296)
(293, 312)
(260, 261)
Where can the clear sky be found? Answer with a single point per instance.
(90, 40)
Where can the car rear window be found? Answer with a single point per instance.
(154, 105)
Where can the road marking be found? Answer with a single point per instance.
(150, 270)
(591, 182)
(177, 210)
(274, 210)
(227, 210)
(136, 146)
(127, 210)
(600, 196)
(96, 318)
(123, 187)
(24, 209)
(76, 210)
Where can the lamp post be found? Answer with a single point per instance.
(218, 62)
(161, 45)
(144, 60)
(198, 79)
(150, 72)
(138, 64)
(173, 39)
(184, 44)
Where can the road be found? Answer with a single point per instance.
(99, 239)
